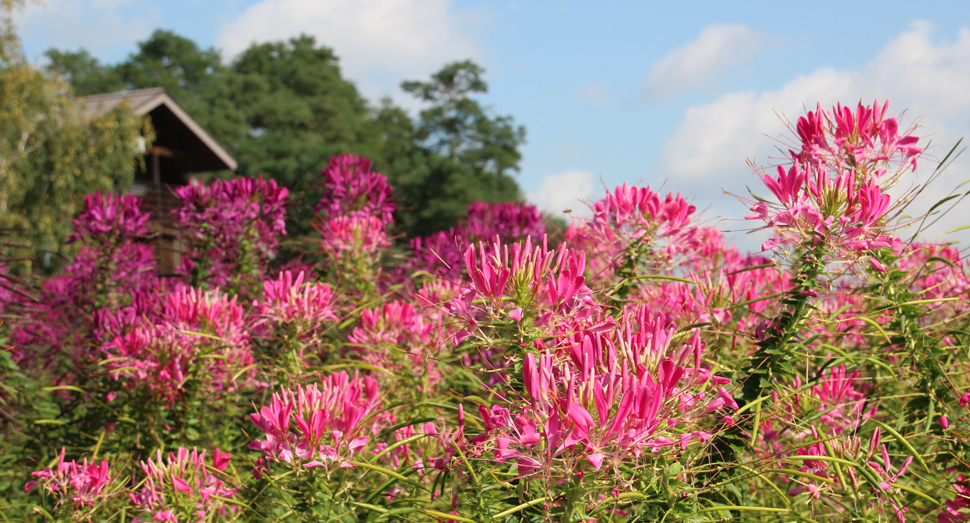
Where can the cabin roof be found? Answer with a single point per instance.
(156, 103)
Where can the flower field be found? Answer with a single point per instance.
(634, 368)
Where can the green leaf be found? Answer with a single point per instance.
(63, 387)
(443, 515)
(515, 509)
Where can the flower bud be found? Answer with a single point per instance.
(874, 442)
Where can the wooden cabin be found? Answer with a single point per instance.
(181, 150)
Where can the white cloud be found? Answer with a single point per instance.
(702, 61)
(595, 93)
(379, 42)
(565, 191)
(107, 28)
(708, 149)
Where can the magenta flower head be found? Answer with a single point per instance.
(889, 478)
(956, 510)
(193, 329)
(661, 229)
(181, 480)
(840, 403)
(233, 224)
(510, 221)
(321, 425)
(288, 300)
(350, 188)
(109, 217)
(354, 234)
(640, 210)
(832, 192)
(82, 484)
(864, 136)
(441, 253)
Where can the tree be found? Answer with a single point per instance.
(459, 128)
(51, 156)
(456, 152)
(85, 74)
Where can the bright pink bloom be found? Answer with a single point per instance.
(110, 218)
(328, 420)
(183, 479)
(351, 189)
(843, 154)
(441, 253)
(191, 324)
(351, 234)
(954, 511)
(787, 186)
(839, 401)
(888, 478)
(234, 226)
(613, 398)
(82, 483)
(288, 301)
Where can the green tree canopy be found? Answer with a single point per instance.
(458, 127)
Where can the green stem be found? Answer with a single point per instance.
(774, 353)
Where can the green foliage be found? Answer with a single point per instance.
(84, 72)
(50, 155)
(459, 128)
(468, 155)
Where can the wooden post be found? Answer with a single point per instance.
(157, 182)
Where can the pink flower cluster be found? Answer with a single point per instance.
(184, 479)
(526, 283)
(109, 218)
(111, 266)
(82, 484)
(441, 253)
(352, 234)
(832, 192)
(196, 333)
(956, 509)
(604, 360)
(233, 225)
(606, 402)
(356, 207)
(644, 395)
(318, 425)
(509, 221)
(635, 218)
(398, 336)
(841, 404)
(865, 138)
(295, 301)
(351, 188)
(888, 478)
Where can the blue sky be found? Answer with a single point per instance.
(645, 92)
